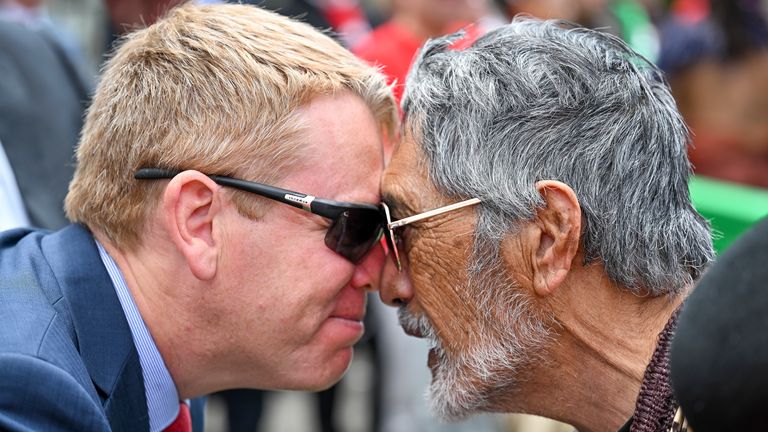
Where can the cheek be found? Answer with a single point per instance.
(439, 277)
(321, 286)
(301, 312)
(289, 296)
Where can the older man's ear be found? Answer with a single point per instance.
(189, 208)
(553, 237)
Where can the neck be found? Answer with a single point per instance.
(592, 375)
(164, 311)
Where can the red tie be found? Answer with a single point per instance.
(183, 422)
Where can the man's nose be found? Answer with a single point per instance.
(368, 271)
(396, 289)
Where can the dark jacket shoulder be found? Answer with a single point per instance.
(64, 327)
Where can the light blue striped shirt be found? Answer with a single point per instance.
(162, 397)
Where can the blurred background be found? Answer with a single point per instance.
(714, 54)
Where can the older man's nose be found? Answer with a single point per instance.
(396, 289)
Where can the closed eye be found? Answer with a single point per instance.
(397, 208)
(404, 237)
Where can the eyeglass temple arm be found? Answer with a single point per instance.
(295, 199)
(431, 213)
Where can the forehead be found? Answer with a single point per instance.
(405, 185)
(341, 150)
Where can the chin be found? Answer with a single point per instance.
(476, 379)
(453, 393)
(326, 373)
(473, 381)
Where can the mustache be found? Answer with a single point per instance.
(417, 325)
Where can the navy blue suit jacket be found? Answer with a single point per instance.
(67, 358)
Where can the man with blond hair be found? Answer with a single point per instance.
(191, 265)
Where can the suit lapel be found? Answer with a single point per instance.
(127, 411)
(104, 338)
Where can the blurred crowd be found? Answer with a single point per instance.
(714, 54)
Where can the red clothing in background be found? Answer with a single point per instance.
(392, 47)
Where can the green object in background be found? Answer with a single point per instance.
(637, 30)
(730, 207)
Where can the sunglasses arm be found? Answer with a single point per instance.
(295, 199)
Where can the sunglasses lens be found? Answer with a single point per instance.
(354, 233)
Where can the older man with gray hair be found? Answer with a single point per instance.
(563, 242)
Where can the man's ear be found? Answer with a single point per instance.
(189, 206)
(555, 236)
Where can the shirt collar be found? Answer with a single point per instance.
(160, 390)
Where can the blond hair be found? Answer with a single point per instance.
(213, 88)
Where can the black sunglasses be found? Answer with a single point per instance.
(355, 227)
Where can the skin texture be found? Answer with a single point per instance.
(236, 302)
(434, 288)
(576, 344)
(431, 251)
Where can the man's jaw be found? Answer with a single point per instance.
(455, 391)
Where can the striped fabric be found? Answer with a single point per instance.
(183, 422)
(162, 398)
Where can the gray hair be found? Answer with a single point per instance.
(537, 100)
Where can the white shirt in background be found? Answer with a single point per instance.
(12, 212)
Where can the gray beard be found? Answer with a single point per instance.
(511, 336)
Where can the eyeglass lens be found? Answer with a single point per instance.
(354, 233)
